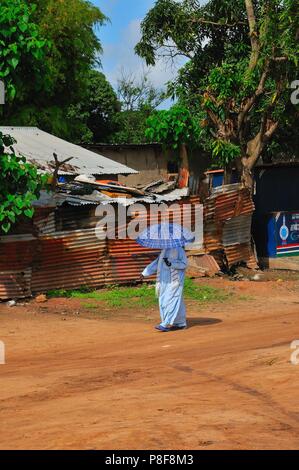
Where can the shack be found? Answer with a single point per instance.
(275, 222)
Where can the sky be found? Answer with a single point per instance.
(120, 37)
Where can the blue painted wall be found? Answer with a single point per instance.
(277, 190)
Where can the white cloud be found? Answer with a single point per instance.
(122, 56)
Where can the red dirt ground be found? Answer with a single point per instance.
(86, 381)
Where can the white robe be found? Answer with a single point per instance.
(170, 285)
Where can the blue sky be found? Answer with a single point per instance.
(120, 37)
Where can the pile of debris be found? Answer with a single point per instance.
(227, 226)
(108, 190)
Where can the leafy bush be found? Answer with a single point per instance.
(20, 185)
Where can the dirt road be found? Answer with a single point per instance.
(225, 383)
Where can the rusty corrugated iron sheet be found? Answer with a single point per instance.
(126, 269)
(233, 204)
(69, 260)
(212, 237)
(243, 252)
(205, 264)
(237, 230)
(227, 225)
(126, 247)
(17, 252)
(15, 284)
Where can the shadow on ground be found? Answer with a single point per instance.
(192, 322)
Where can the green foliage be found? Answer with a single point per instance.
(174, 27)
(173, 127)
(93, 117)
(54, 90)
(138, 94)
(22, 48)
(217, 79)
(225, 152)
(20, 185)
(129, 127)
(229, 79)
(70, 26)
(138, 99)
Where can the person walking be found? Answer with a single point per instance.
(170, 267)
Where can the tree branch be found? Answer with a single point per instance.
(280, 59)
(255, 44)
(251, 101)
(215, 23)
(271, 131)
(58, 164)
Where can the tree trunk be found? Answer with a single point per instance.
(184, 157)
(227, 175)
(255, 44)
(247, 178)
(184, 173)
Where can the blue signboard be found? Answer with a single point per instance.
(287, 234)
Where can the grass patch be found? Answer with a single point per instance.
(141, 296)
(114, 297)
(203, 294)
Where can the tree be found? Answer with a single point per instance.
(93, 118)
(129, 127)
(22, 50)
(176, 129)
(242, 58)
(137, 94)
(74, 49)
(20, 185)
(70, 25)
(138, 99)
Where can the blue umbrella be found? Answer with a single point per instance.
(164, 235)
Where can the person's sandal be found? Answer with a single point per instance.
(162, 329)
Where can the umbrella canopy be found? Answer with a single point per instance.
(165, 235)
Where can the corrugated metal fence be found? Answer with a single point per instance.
(62, 251)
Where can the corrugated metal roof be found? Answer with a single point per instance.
(38, 147)
(212, 237)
